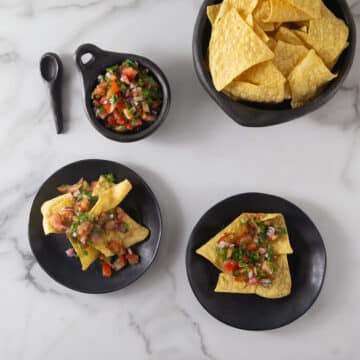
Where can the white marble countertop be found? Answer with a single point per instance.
(313, 161)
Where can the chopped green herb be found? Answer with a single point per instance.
(109, 177)
(244, 220)
(281, 231)
(131, 63)
(112, 68)
(113, 99)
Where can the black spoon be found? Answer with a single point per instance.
(51, 69)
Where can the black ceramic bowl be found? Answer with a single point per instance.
(97, 62)
(255, 114)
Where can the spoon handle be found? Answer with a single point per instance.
(56, 104)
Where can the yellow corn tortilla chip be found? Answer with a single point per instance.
(287, 91)
(267, 27)
(234, 48)
(281, 286)
(257, 29)
(287, 56)
(279, 11)
(212, 12)
(208, 250)
(261, 83)
(102, 185)
(280, 246)
(136, 233)
(111, 197)
(308, 78)
(53, 206)
(328, 36)
(226, 283)
(271, 43)
(288, 36)
(243, 7)
(309, 7)
(86, 257)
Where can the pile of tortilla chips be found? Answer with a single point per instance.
(281, 286)
(274, 50)
(109, 196)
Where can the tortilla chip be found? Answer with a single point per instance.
(280, 246)
(111, 197)
(328, 36)
(309, 7)
(271, 43)
(279, 11)
(243, 7)
(53, 206)
(267, 27)
(101, 185)
(287, 56)
(261, 83)
(234, 48)
(281, 286)
(226, 283)
(86, 256)
(212, 12)
(136, 233)
(287, 91)
(288, 36)
(208, 250)
(308, 78)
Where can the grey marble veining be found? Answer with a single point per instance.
(314, 161)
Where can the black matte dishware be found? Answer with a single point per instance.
(256, 114)
(51, 69)
(49, 250)
(251, 312)
(92, 62)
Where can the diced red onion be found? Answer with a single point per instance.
(70, 252)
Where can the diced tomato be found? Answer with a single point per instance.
(133, 259)
(129, 126)
(111, 121)
(120, 105)
(265, 267)
(243, 238)
(114, 86)
(129, 72)
(119, 118)
(251, 247)
(92, 185)
(108, 108)
(226, 237)
(119, 263)
(231, 265)
(106, 269)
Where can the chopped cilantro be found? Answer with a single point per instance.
(109, 177)
(112, 68)
(113, 99)
(131, 63)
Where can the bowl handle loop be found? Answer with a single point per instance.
(86, 56)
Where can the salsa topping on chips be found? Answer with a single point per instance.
(94, 223)
(248, 34)
(249, 257)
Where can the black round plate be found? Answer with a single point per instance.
(49, 250)
(251, 312)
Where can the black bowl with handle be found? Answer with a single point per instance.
(92, 62)
(256, 114)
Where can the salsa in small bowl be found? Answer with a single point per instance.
(127, 96)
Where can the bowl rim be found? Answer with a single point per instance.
(96, 66)
(251, 114)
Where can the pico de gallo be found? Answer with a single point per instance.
(127, 97)
(249, 257)
(85, 229)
